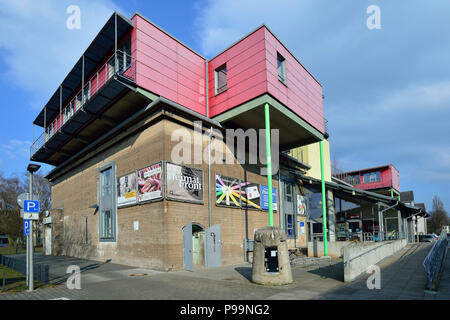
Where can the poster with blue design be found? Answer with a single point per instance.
(265, 198)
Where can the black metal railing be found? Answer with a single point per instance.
(434, 258)
(120, 63)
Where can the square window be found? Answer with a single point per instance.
(372, 177)
(281, 65)
(221, 79)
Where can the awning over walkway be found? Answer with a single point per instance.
(346, 191)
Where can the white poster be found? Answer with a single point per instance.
(126, 190)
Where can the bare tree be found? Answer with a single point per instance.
(439, 216)
(42, 193)
(10, 221)
(336, 168)
(41, 189)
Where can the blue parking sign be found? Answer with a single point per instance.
(30, 206)
(26, 227)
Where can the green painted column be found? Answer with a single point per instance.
(324, 202)
(269, 163)
(392, 193)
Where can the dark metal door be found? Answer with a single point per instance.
(213, 246)
(187, 247)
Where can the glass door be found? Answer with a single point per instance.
(107, 209)
(289, 210)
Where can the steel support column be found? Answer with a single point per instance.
(269, 163)
(116, 67)
(324, 201)
(82, 81)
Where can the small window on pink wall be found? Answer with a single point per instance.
(221, 79)
(281, 65)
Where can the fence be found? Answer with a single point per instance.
(40, 271)
(433, 261)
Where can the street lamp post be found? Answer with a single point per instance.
(32, 168)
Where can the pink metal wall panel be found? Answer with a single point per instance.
(246, 73)
(252, 71)
(395, 178)
(301, 93)
(389, 176)
(168, 68)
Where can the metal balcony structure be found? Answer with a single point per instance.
(98, 80)
(109, 81)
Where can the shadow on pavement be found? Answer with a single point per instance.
(334, 271)
(246, 272)
(62, 279)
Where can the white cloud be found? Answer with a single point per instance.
(307, 25)
(387, 92)
(221, 23)
(430, 97)
(15, 149)
(37, 47)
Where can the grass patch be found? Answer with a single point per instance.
(15, 281)
(12, 250)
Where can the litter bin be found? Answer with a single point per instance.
(271, 265)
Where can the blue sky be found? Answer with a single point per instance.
(387, 91)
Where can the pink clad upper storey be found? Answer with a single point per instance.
(259, 64)
(376, 178)
(133, 61)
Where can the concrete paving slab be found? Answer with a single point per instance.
(112, 281)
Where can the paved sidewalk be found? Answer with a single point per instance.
(402, 277)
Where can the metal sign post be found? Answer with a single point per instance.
(28, 205)
(20, 200)
(32, 207)
(26, 232)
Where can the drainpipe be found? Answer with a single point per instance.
(324, 203)
(209, 177)
(269, 163)
(209, 146)
(280, 192)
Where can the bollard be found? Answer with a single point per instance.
(271, 265)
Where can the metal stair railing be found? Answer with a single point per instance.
(434, 258)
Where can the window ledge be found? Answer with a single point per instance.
(220, 92)
(283, 82)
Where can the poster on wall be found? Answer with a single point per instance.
(149, 181)
(250, 195)
(184, 183)
(265, 198)
(228, 191)
(126, 189)
(301, 205)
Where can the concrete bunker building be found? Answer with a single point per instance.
(109, 131)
